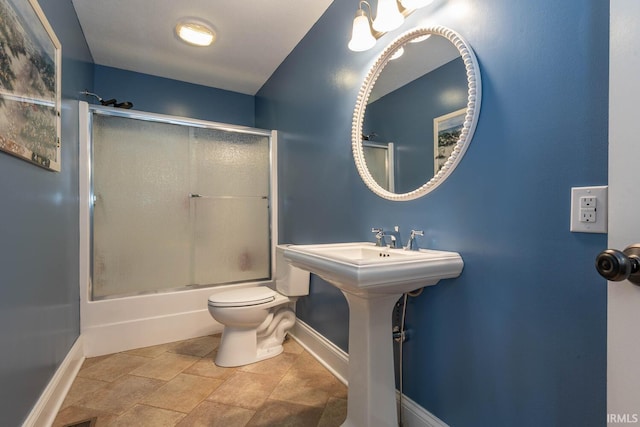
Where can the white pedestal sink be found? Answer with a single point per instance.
(373, 279)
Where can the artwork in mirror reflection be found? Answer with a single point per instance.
(428, 81)
(446, 133)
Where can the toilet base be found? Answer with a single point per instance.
(239, 349)
(268, 353)
(242, 346)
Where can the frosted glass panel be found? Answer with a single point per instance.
(231, 233)
(141, 229)
(231, 240)
(177, 206)
(228, 164)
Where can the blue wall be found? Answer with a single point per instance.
(39, 310)
(173, 97)
(519, 339)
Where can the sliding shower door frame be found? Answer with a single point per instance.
(118, 324)
(272, 204)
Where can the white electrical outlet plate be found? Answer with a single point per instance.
(589, 209)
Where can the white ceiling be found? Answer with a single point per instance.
(253, 37)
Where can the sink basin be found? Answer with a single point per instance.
(372, 279)
(363, 268)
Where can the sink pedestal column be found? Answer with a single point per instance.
(372, 390)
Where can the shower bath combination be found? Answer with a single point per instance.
(151, 252)
(109, 102)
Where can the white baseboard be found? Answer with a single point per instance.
(337, 362)
(137, 333)
(415, 415)
(47, 406)
(327, 353)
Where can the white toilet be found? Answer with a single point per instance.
(256, 319)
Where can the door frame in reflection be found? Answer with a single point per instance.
(381, 163)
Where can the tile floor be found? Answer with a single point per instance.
(178, 384)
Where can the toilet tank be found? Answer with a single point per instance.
(290, 281)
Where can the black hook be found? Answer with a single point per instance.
(126, 105)
(109, 102)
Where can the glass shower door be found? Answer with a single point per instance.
(177, 206)
(141, 230)
(230, 205)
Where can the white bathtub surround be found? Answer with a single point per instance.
(120, 324)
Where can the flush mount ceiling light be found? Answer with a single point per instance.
(195, 32)
(390, 15)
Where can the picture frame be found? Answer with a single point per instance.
(30, 85)
(446, 134)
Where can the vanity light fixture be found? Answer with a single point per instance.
(195, 32)
(390, 15)
(361, 37)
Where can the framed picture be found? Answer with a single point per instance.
(446, 133)
(29, 84)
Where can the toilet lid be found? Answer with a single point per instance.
(242, 297)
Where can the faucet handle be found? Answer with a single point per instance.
(379, 235)
(412, 245)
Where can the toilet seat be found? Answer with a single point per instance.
(242, 297)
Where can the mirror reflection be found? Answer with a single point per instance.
(408, 107)
(417, 106)
(381, 164)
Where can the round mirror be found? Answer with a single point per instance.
(416, 113)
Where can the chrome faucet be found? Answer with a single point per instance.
(394, 236)
(379, 236)
(395, 241)
(412, 245)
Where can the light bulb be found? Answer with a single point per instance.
(361, 37)
(195, 33)
(388, 17)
